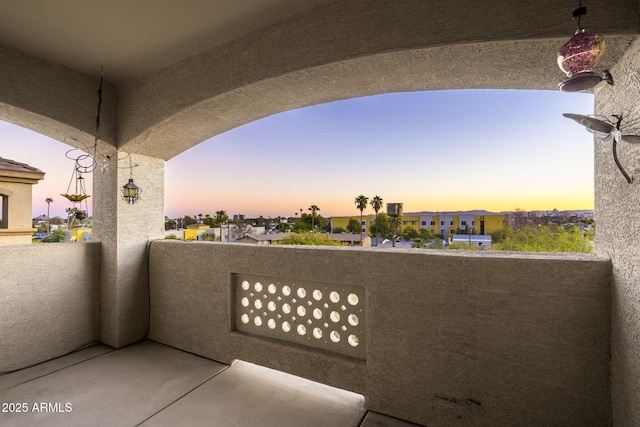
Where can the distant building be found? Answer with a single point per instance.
(194, 231)
(262, 239)
(394, 209)
(445, 224)
(79, 234)
(16, 181)
(348, 239)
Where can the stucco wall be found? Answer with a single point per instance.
(341, 50)
(19, 204)
(618, 233)
(20, 228)
(124, 231)
(53, 100)
(452, 339)
(49, 301)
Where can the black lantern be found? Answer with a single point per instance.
(131, 192)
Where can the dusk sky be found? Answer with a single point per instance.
(436, 151)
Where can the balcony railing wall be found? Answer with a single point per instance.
(49, 301)
(437, 338)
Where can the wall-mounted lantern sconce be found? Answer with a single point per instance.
(130, 191)
(579, 56)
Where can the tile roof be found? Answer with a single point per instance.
(12, 165)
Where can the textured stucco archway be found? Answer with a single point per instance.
(335, 50)
(341, 50)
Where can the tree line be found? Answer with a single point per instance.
(546, 234)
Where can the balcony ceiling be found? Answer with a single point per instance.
(130, 38)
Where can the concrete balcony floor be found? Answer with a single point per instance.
(149, 384)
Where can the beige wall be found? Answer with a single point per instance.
(125, 231)
(618, 233)
(493, 339)
(49, 301)
(19, 224)
(53, 100)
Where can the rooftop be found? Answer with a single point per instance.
(12, 165)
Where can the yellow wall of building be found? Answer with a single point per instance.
(193, 230)
(411, 221)
(492, 222)
(343, 221)
(77, 234)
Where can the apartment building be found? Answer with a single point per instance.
(445, 224)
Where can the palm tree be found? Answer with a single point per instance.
(313, 209)
(394, 224)
(376, 204)
(361, 204)
(221, 218)
(49, 200)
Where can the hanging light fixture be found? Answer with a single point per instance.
(84, 163)
(579, 56)
(130, 191)
(77, 198)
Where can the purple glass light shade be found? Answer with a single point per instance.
(581, 53)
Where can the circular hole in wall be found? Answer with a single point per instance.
(334, 297)
(353, 320)
(286, 326)
(353, 299)
(353, 340)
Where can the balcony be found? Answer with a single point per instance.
(371, 336)
(149, 384)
